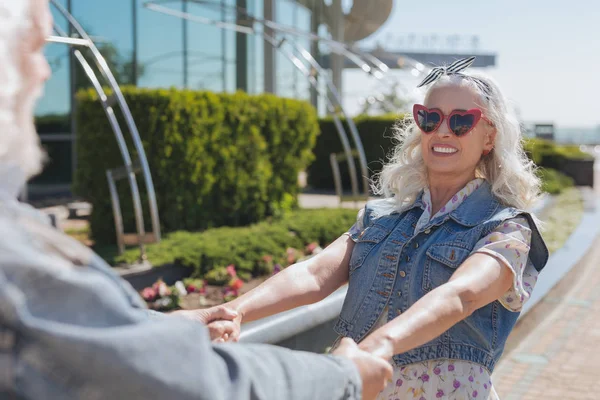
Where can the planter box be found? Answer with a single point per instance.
(140, 278)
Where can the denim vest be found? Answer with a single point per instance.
(393, 265)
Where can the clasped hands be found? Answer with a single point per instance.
(371, 357)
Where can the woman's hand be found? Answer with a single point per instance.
(223, 322)
(226, 331)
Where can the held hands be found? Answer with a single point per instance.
(223, 323)
(375, 371)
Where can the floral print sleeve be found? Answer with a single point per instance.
(510, 243)
(358, 227)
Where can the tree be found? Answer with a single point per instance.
(390, 102)
(121, 67)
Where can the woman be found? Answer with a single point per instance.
(439, 269)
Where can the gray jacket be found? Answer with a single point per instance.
(70, 328)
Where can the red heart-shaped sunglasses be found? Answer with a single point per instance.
(460, 122)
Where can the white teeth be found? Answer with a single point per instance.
(444, 150)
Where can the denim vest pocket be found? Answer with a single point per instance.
(441, 262)
(366, 241)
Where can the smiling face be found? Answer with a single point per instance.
(443, 152)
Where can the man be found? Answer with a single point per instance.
(71, 328)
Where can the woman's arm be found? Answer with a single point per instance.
(303, 283)
(480, 280)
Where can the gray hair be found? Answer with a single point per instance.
(19, 143)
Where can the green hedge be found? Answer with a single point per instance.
(377, 138)
(216, 159)
(244, 247)
(547, 154)
(553, 181)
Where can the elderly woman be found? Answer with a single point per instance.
(439, 268)
(70, 328)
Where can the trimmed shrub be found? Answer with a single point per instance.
(554, 182)
(376, 135)
(216, 159)
(246, 247)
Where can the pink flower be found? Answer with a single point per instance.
(163, 289)
(451, 367)
(455, 199)
(149, 294)
(231, 271)
(471, 378)
(399, 382)
(475, 393)
(440, 394)
(437, 370)
(425, 378)
(456, 384)
(311, 247)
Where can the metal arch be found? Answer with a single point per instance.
(333, 102)
(100, 62)
(336, 96)
(331, 106)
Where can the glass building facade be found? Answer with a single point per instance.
(149, 49)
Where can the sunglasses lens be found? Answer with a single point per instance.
(428, 121)
(461, 124)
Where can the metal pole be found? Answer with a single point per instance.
(114, 198)
(137, 203)
(185, 45)
(134, 54)
(337, 177)
(269, 52)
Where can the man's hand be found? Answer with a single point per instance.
(374, 371)
(223, 322)
(378, 345)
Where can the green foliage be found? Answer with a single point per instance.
(545, 153)
(216, 159)
(562, 218)
(377, 137)
(218, 276)
(53, 123)
(246, 247)
(553, 181)
(376, 134)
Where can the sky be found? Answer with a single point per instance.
(548, 52)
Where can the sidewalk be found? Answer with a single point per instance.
(554, 353)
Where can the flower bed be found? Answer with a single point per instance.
(219, 286)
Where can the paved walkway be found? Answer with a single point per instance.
(554, 352)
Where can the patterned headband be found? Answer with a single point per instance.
(455, 69)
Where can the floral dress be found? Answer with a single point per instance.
(456, 379)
